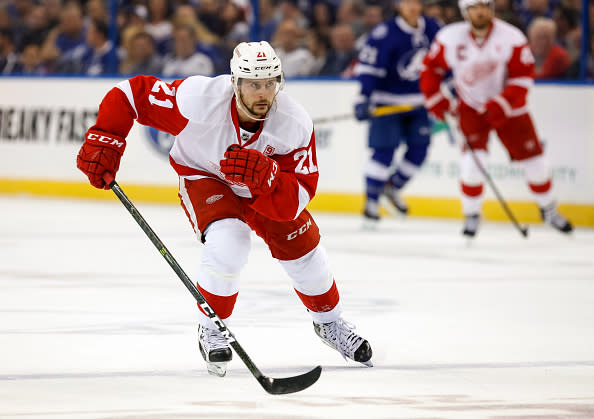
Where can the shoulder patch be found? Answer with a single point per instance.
(380, 31)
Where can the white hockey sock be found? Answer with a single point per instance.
(471, 179)
(539, 180)
(224, 255)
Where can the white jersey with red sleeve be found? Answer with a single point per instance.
(499, 68)
(201, 113)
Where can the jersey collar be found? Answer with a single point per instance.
(489, 31)
(405, 27)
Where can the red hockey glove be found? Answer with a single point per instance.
(495, 114)
(100, 153)
(438, 105)
(250, 167)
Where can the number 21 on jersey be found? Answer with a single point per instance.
(305, 165)
(161, 85)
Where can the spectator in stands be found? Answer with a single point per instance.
(100, 57)
(208, 13)
(574, 69)
(131, 16)
(319, 46)
(289, 10)
(451, 12)
(566, 20)
(551, 61)
(5, 23)
(65, 44)
(236, 28)
(342, 53)
(53, 10)
(208, 43)
(158, 25)
(8, 56)
(96, 10)
(530, 9)
(351, 13)
(268, 20)
(141, 55)
(30, 63)
(36, 27)
(322, 18)
(71, 35)
(504, 10)
(21, 9)
(297, 60)
(185, 60)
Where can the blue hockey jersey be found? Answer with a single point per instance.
(389, 63)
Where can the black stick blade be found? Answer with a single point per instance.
(290, 384)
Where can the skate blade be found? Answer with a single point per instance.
(217, 368)
(392, 209)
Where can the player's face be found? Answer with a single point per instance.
(257, 95)
(410, 10)
(480, 15)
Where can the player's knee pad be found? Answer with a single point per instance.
(226, 247)
(311, 273)
(536, 169)
(470, 173)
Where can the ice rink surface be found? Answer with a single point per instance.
(95, 324)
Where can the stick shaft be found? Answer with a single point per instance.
(452, 123)
(379, 111)
(184, 278)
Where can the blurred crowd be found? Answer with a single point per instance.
(312, 37)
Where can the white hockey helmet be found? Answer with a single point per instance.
(465, 4)
(255, 60)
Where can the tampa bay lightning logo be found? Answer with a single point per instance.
(161, 141)
(409, 64)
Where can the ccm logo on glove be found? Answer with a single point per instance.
(100, 154)
(105, 140)
(250, 167)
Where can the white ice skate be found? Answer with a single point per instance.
(339, 335)
(392, 195)
(550, 216)
(215, 350)
(370, 215)
(471, 224)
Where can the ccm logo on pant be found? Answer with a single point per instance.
(301, 230)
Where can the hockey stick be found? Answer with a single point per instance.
(271, 385)
(379, 111)
(458, 135)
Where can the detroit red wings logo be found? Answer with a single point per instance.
(478, 71)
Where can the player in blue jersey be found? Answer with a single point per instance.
(388, 69)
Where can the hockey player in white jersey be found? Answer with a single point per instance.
(493, 69)
(246, 159)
